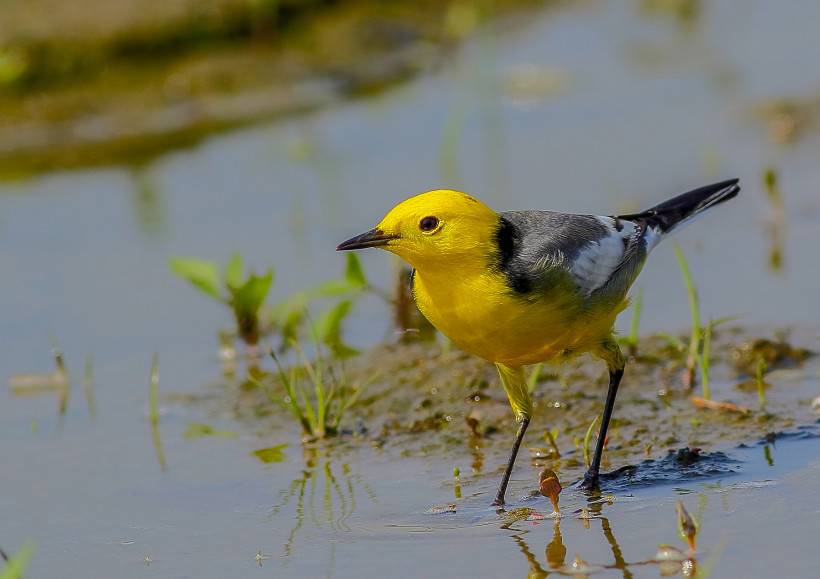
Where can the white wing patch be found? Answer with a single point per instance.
(595, 263)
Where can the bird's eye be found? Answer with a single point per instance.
(428, 223)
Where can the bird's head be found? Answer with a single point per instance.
(437, 229)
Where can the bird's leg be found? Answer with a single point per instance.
(502, 488)
(515, 385)
(615, 361)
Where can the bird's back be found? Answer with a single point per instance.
(597, 256)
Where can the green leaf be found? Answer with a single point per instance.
(354, 274)
(17, 563)
(271, 454)
(290, 327)
(199, 430)
(234, 270)
(248, 298)
(329, 329)
(329, 324)
(331, 288)
(203, 274)
(281, 311)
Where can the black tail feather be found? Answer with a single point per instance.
(669, 214)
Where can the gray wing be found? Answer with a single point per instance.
(599, 254)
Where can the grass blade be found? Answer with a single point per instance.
(694, 310)
(587, 439)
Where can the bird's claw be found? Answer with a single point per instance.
(590, 482)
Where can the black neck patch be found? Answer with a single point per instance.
(508, 239)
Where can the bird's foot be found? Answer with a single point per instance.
(590, 482)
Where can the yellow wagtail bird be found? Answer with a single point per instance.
(522, 287)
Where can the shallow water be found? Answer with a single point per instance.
(650, 106)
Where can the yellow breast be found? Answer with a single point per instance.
(481, 315)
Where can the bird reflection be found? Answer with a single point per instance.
(669, 560)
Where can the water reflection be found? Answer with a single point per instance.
(668, 560)
(56, 382)
(153, 414)
(685, 13)
(776, 220)
(149, 208)
(338, 486)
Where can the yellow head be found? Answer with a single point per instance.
(434, 230)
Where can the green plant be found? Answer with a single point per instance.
(704, 359)
(244, 295)
(314, 395)
(288, 316)
(694, 311)
(16, 564)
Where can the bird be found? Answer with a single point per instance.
(523, 287)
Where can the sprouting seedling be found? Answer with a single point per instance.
(550, 487)
(588, 439)
(760, 370)
(244, 295)
(320, 411)
(704, 359)
(687, 527)
(532, 379)
(694, 310)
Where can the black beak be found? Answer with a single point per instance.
(372, 238)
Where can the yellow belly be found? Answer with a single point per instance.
(480, 315)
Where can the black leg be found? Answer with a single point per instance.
(590, 481)
(502, 488)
